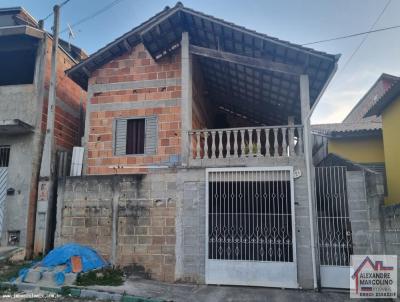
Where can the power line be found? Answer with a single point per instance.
(364, 38)
(105, 8)
(352, 35)
(61, 5)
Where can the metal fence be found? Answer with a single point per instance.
(334, 229)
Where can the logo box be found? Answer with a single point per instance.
(373, 276)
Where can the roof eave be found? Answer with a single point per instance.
(385, 100)
(80, 75)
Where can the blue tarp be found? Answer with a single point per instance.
(62, 255)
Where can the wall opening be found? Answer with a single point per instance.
(4, 156)
(13, 237)
(17, 66)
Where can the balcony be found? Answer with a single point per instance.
(248, 146)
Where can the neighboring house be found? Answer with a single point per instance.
(25, 51)
(388, 108)
(357, 138)
(194, 166)
(358, 168)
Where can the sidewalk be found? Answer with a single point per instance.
(210, 293)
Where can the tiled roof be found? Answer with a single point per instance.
(163, 31)
(347, 129)
(377, 90)
(391, 94)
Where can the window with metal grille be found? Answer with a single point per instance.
(4, 156)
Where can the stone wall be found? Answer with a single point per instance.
(130, 220)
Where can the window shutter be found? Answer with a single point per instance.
(120, 137)
(150, 142)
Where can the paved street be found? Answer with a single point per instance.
(203, 293)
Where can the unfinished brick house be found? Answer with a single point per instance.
(25, 51)
(196, 165)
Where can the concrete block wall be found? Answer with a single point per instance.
(159, 221)
(375, 227)
(391, 226)
(190, 225)
(130, 220)
(365, 196)
(359, 213)
(133, 85)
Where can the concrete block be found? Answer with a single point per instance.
(33, 276)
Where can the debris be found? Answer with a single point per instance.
(76, 262)
(62, 255)
(62, 265)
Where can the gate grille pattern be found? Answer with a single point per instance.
(334, 236)
(3, 193)
(250, 216)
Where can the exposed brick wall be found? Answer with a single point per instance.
(144, 220)
(136, 66)
(70, 104)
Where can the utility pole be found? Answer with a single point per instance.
(45, 199)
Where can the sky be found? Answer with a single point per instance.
(297, 21)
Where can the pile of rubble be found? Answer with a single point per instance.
(62, 265)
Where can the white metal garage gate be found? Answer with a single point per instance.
(334, 228)
(249, 229)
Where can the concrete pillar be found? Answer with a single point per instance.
(46, 202)
(305, 119)
(87, 129)
(186, 103)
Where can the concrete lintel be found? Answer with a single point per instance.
(134, 105)
(96, 88)
(21, 30)
(15, 126)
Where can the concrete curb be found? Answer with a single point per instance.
(78, 292)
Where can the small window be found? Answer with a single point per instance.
(4, 156)
(135, 135)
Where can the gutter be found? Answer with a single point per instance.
(310, 174)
